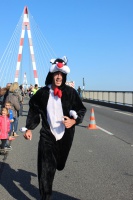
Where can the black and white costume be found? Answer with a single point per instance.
(55, 140)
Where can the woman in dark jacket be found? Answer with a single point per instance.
(14, 97)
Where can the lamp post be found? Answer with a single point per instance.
(83, 84)
(83, 88)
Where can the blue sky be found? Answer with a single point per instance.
(95, 35)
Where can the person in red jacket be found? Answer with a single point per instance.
(4, 127)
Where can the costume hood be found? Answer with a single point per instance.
(59, 64)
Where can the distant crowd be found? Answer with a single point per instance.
(11, 107)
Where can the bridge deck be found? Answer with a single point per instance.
(18, 173)
(97, 167)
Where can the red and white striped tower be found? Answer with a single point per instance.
(26, 25)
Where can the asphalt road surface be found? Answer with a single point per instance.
(99, 166)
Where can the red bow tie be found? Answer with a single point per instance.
(57, 92)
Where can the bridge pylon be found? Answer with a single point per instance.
(26, 26)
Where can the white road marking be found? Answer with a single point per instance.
(124, 113)
(105, 130)
(95, 105)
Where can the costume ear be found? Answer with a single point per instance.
(65, 59)
(52, 60)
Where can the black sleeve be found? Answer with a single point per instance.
(33, 118)
(78, 106)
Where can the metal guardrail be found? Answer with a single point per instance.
(124, 98)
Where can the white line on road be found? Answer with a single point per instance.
(105, 130)
(95, 105)
(124, 113)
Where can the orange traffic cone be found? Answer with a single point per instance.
(92, 124)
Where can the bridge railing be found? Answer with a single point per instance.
(124, 98)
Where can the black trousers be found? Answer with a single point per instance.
(3, 143)
(52, 155)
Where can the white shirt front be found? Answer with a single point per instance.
(55, 115)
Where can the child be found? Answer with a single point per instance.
(4, 127)
(8, 106)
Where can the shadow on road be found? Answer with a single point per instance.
(18, 183)
(9, 177)
(82, 126)
(60, 196)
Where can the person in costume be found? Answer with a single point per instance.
(60, 109)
